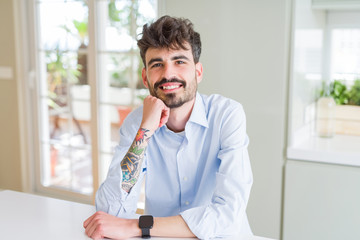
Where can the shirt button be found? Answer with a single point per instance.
(187, 203)
(185, 178)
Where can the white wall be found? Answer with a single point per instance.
(245, 58)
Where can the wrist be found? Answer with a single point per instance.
(135, 227)
(146, 130)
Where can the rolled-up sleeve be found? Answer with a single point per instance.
(110, 197)
(226, 214)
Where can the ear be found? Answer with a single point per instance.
(144, 78)
(199, 71)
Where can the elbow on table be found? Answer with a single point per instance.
(218, 223)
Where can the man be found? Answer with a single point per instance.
(191, 147)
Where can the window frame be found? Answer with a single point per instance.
(28, 70)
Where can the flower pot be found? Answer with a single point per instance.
(347, 120)
(123, 111)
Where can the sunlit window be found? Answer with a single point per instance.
(345, 52)
(65, 96)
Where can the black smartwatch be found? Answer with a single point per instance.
(146, 223)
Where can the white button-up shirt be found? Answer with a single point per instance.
(203, 173)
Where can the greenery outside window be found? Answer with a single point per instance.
(88, 78)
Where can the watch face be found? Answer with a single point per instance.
(146, 221)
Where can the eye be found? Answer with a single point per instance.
(180, 62)
(156, 65)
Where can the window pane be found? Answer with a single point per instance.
(121, 21)
(345, 54)
(111, 118)
(63, 24)
(70, 129)
(67, 168)
(118, 78)
(64, 95)
(63, 70)
(147, 13)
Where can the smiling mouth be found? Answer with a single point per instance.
(170, 87)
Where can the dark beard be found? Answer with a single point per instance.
(171, 100)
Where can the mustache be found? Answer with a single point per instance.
(165, 80)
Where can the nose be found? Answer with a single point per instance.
(169, 71)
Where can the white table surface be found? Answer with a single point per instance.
(27, 216)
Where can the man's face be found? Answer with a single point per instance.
(171, 75)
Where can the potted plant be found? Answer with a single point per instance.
(347, 120)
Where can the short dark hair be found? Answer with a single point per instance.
(171, 33)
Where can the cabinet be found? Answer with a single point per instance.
(321, 201)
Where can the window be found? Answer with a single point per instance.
(345, 54)
(87, 79)
(325, 48)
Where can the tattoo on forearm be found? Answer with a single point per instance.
(131, 164)
(140, 136)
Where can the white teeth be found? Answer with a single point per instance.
(170, 87)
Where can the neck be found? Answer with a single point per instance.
(179, 116)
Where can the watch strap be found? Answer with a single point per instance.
(145, 233)
(146, 223)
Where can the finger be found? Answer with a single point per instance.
(164, 116)
(91, 228)
(96, 234)
(87, 221)
(92, 223)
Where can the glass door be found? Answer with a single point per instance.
(88, 78)
(64, 96)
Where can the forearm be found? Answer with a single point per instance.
(103, 225)
(132, 162)
(155, 115)
(174, 226)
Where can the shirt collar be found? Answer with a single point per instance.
(198, 114)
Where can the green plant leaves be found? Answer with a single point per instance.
(341, 94)
(354, 93)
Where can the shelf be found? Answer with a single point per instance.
(336, 4)
(340, 149)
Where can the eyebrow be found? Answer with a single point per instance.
(154, 60)
(179, 57)
(173, 58)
